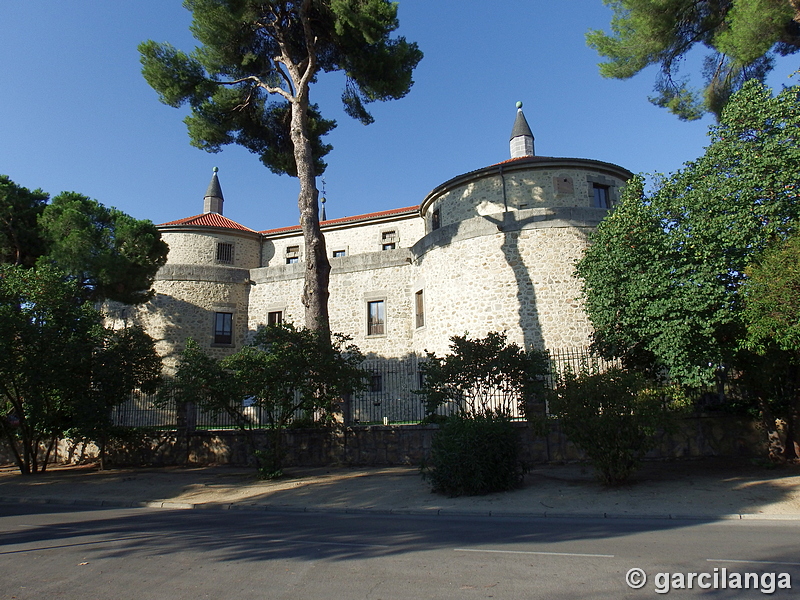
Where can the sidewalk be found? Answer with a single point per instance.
(702, 489)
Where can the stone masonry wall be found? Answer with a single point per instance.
(355, 280)
(524, 189)
(184, 309)
(697, 436)
(519, 281)
(353, 239)
(200, 248)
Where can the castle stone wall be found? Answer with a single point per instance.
(478, 279)
(493, 191)
(368, 239)
(200, 248)
(185, 308)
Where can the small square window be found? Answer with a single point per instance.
(339, 253)
(292, 254)
(223, 328)
(275, 317)
(224, 253)
(389, 240)
(376, 318)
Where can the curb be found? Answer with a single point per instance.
(442, 512)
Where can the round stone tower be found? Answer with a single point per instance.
(501, 244)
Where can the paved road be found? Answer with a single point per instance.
(63, 552)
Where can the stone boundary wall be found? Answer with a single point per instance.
(699, 436)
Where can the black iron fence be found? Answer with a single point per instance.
(390, 398)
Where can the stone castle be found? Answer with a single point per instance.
(490, 250)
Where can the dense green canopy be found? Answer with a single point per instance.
(772, 298)
(60, 370)
(743, 37)
(111, 255)
(662, 279)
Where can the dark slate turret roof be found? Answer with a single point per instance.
(214, 190)
(520, 126)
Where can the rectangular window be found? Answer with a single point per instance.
(376, 383)
(223, 328)
(275, 317)
(224, 253)
(419, 309)
(389, 240)
(292, 254)
(376, 318)
(436, 221)
(339, 253)
(601, 196)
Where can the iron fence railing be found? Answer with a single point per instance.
(145, 410)
(390, 397)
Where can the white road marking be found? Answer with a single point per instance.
(532, 552)
(753, 562)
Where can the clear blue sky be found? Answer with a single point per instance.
(76, 114)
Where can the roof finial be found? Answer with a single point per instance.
(521, 136)
(323, 216)
(212, 201)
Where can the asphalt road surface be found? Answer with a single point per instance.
(50, 552)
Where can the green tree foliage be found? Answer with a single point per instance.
(477, 449)
(473, 455)
(771, 314)
(20, 239)
(60, 370)
(743, 37)
(772, 298)
(122, 360)
(613, 417)
(111, 255)
(46, 342)
(284, 373)
(485, 375)
(248, 84)
(662, 277)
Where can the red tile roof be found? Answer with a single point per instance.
(376, 215)
(208, 220)
(521, 158)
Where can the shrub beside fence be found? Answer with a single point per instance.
(390, 398)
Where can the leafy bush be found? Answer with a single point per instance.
(484, 375)
(474, 454)
(285, 371)
(477, 450)
(613, 417)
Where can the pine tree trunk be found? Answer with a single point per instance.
(317, 265)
